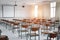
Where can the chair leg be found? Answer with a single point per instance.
(30, 37)
(35, 37)
(13, 30)
(57, 38)
(18, 33)
(25, 33)
(6, 26)
(21, 35)
(26, 37)
(50, 38)
(38, 37)
(47, 38)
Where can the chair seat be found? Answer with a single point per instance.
(45, 32)
(24, 30)
(33, 34)
(44, 29)
(15, 27)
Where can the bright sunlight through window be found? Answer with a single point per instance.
(53, 9)
(36, 11)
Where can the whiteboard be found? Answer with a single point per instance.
(8, 11)
(0, 11)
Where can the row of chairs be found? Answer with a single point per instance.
(47, 25)
(25, 24)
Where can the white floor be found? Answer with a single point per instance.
(14, 36)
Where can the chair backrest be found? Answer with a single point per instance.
(25, 26)
(56, 20)
(16, 23)
(59, 29)
(36, 22)
(34, 29)
(53, 35)
(47, 24)
(24, 20)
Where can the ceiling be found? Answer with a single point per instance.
(29, 2)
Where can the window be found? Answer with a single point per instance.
(53, 9)
(36, 11)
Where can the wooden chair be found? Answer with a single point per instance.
(47, 26)
(15, 25)
(25, 26)
(31, 34)
(45, 29)
(52, 35)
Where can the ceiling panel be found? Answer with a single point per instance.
(19, 2)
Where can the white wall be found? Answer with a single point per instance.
(44, 11)
(28, 11)
(22, 12)
(58, 10)
(40, 11)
